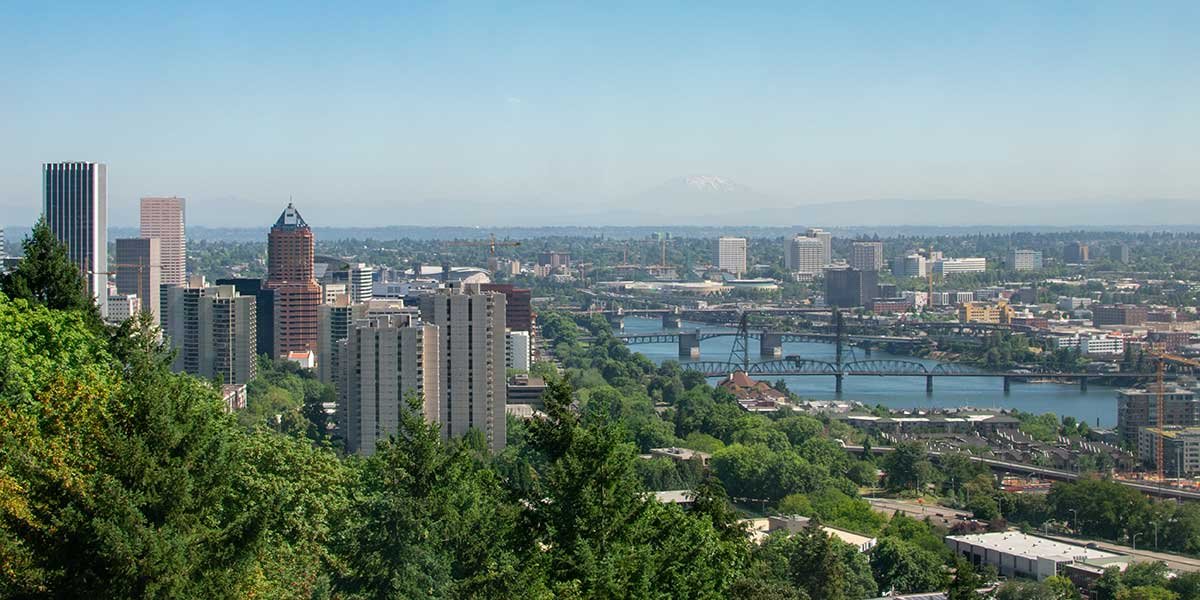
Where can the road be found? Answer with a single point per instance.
(945, 516)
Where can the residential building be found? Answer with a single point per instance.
(1016, 554)
(333, 324)
(803, 254)
(1171, 341)
(826, 244)
(1075, 253)
(163, 218)
(1118, 314)
(731, 255)
(1024, 260)
(121, 307)
(866, 256)
(139, 271)
(518, 311)
(264, 308)
(1120, 253)
(909, 265)
(234, 396)
(985, 312)
(517, 350)
(1181, 449)
(1102, 345)
(383, 360)
(916, 299)
(290, 275)
(471, 341)
(555, 260)
(75, 206)
(361, 278)
(213, 331)
(960, 298)
(951, 266)
(1138, 408)
(846, 288)
(330, 291)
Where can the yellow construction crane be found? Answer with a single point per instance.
(1162, 358)
(491, 243)
(141, 293)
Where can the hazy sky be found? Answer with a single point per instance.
(378, 114)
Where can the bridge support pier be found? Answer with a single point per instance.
(671, 320)
(1007, 384)
(929, 384)
(837, 386)
(866, 349)
(689, 345)
(770, 344)
(616, 321)
(1083, 384)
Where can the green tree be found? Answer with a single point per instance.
(965, 583)
(45, 276)
(903, 567)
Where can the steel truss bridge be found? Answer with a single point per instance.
(830, 338)
(878, 368)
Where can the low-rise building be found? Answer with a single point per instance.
(1024, 260)
(754, 396)
(951, 266)
(1137, 408)
(1118, 314)
(985, 312)
(681, 454)
(1181, 449)
(1015, 554)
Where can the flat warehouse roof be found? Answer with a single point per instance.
(1031, 546)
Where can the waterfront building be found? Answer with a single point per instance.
(1118, 314)
(290, 275)
(1137, 408)
(1181, 449)
(845, 288)
(731, 255)
(951, 266)
(985, 312)
(471, 341)
(75, 206)
(1024, 260)
(804, 255)
(382, 360)
(138, 271)
(866, 256)
(163, 219)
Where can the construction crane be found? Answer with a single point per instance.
(491, 243)
(141, 293)
(1162, 358)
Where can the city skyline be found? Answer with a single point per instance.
(464, 114)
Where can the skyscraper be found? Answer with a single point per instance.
(731, 255)
(846, 288)
(866, 256)
(361, 280)
(333, 322)
(383, 359)
(163, 218)
(212, 330)
(290, 275)
(138, 269)
(75, 206)
(471, 339)
(264, 308)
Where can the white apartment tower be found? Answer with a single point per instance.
(804, 254)
(866, 256)
(75, 206)
(471, 339)
(731, 255)
(826, 244)
(163, 218)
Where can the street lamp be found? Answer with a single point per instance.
(1135, 536)
(1155, 535)
(1074, 519)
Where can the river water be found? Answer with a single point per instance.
(1098, 405)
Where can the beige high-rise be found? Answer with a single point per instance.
(163, 218)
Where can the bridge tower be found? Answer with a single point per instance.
(740, 353)
(672, 319)
(770, 344)
(839, 328)
(616, 318)
(689, 344)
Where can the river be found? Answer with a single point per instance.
(1097, 406)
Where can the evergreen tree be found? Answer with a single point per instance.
(45, 276)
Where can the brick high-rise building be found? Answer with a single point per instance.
(75, 206)
(163, 218)
(518, 311)
(1118, 314)
(290, 276)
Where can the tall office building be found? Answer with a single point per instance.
(361, 281)
(212, 329)
(3, 244)
(826, 244)
(909, 265)
(866, 256)
(803, 254)
(75, 206)
(1076, 252)
(731, 255)
(471, 340)
(163, 218)
(333, 323)
(138, 270)
(381, 361)
(264, 309)
(846, 288)
(1024, 260)
(290, 275)
(518, 302)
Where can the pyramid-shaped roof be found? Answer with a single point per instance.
(290, 219)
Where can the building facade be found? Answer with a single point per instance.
(1137, 408)
(866, 256)
(1181, 449)
(1076, 252)
(845, 288)
(1025, 260)
(1118, 314)
(909, 265)
(517, 350)
(518, 312)
(163, 218)
(826, 244)
(985, 312)
(361, 279)
(383, 360)
(950, 266)
(471, 345)
(731, 255)
(290, 276)
(75, 206)
(213, 331)
(264, 308)
(121, 307)
(334, 320)
(138, 271)
(805, 255)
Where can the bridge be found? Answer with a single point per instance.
(770, 343)
(1005, 466)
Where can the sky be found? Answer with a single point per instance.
(475, 113)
